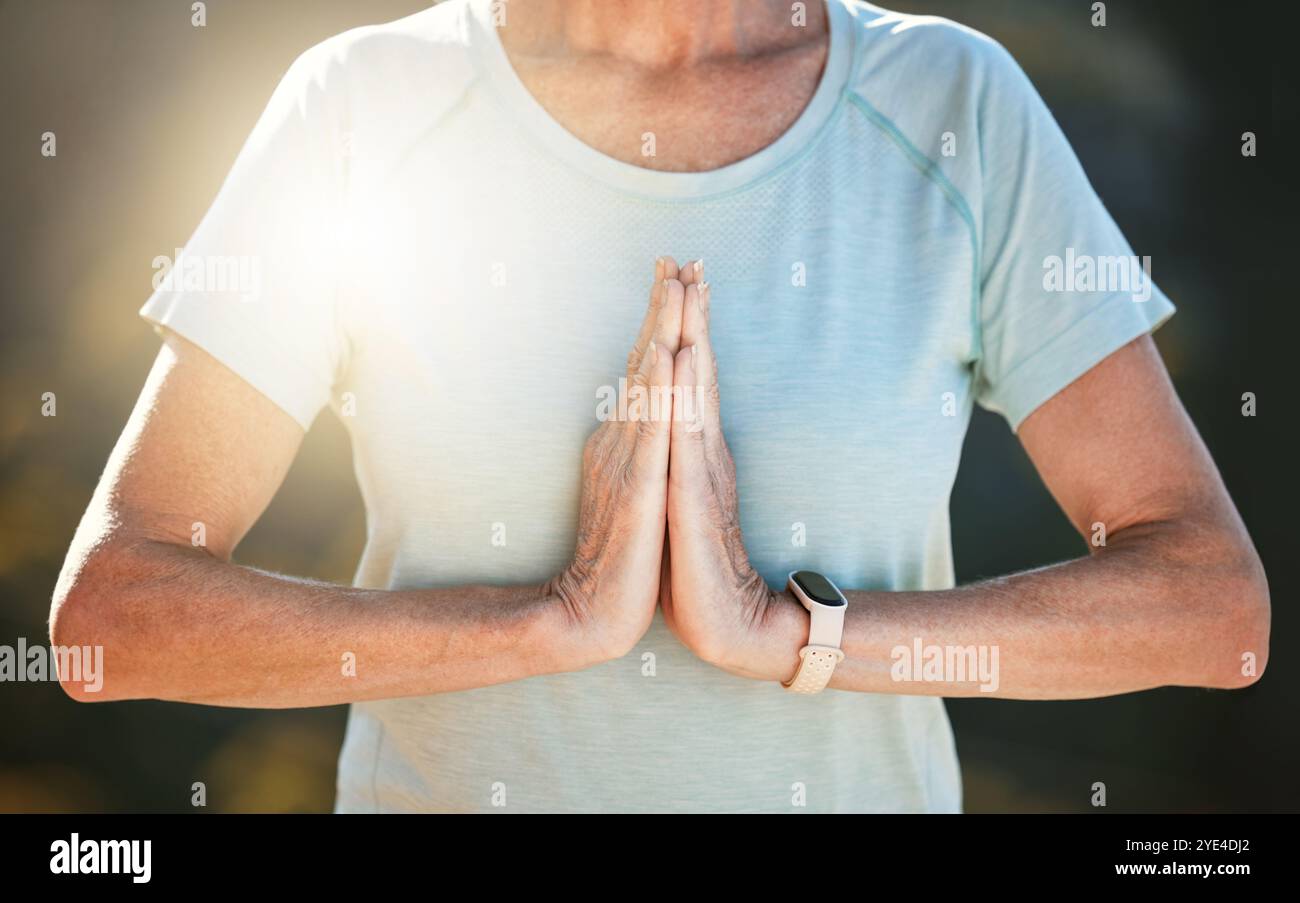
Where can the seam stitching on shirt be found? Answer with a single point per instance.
(928, 168)
(1105, 305)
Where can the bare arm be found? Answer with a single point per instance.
(1176, 596)
(180, 622)
(184, 623)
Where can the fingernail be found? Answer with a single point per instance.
(659, 267)
(654, 353)
(699, 268)
(694, 351)
(700, 295)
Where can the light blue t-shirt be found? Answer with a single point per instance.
(411, 239)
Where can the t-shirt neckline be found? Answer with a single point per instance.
(530, 115)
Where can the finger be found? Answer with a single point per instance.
(651, 412)
(695, 315)
(692, 273)
(668, 326)
(686, 470)
(695, 333)
(663, 265)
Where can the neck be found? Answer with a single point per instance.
(658, 34)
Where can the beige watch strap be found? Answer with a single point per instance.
(816, 665)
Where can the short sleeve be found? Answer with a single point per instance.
(1060, 287)
(255, 286)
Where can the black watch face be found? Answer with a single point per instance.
(817, 588)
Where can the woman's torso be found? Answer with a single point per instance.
(498, 285)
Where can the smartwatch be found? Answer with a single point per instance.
(826, 605)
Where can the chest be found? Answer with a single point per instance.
(500, 288)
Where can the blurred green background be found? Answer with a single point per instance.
(149, 113)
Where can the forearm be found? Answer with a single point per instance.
(180, 622)
(1163, 604)
(176, 623)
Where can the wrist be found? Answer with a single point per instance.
(577, 634)
(770, 650)
(539, 633)
(561, 625)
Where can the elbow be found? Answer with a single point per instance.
(75, 625)
(87, 630)
(1238, 628)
